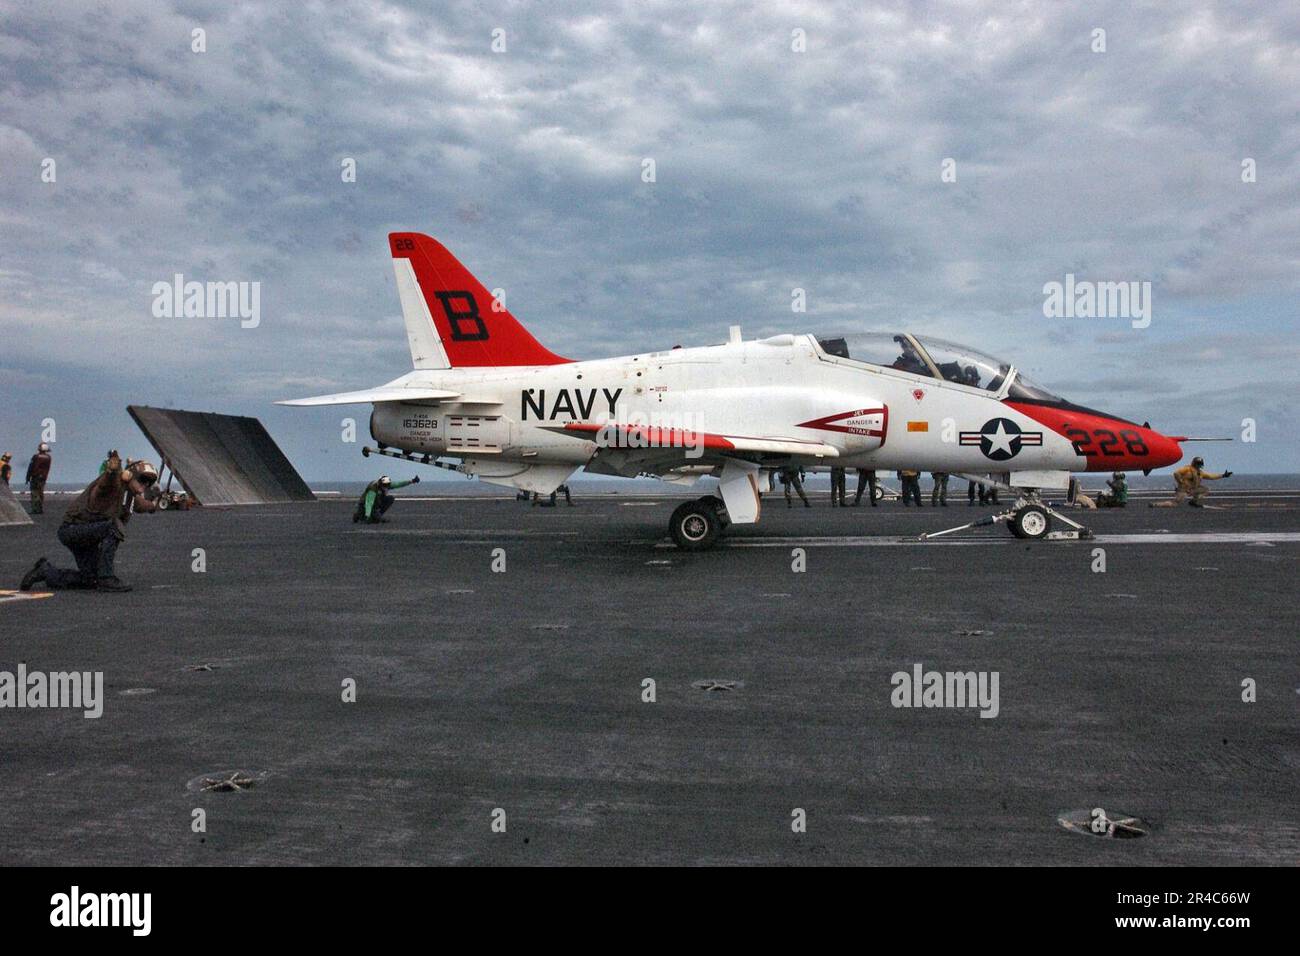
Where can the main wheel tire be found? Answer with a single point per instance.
(695, 526)
(877, 493)
(1030, 522)
(164, 503)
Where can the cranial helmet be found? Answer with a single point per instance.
(1198, 462)
(1118, 474)
(143, 470)
(385, 480)
(42, 447)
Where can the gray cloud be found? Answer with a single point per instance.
(775, 169)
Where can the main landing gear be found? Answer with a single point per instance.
(697, 525)
(1029, 519)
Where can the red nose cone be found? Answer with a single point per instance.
(1164, 450)
(1102, 442)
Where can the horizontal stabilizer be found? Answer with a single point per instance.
(392, 393)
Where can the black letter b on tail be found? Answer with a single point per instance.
(466, 323)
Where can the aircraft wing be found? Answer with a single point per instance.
(388, 393)
(539, 479)
(648, 436)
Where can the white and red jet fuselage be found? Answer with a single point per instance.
(486, 393)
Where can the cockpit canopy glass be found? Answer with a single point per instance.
(1026, 391)
(908, 353)
(878, 348)
(965, 366)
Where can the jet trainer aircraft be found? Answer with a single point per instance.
(488, 396)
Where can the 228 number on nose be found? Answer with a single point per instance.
(1106, 443)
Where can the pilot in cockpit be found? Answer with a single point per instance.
(909, 361)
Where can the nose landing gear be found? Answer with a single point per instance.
(1029, 519)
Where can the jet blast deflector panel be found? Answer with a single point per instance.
(221, 459)
(11, 512)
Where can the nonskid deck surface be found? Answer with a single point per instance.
(523, 690)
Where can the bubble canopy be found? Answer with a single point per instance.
(931, 358)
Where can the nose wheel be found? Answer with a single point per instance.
(1030, 522)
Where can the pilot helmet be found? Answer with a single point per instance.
(142, 470)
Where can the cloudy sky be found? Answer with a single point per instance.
(775, 169)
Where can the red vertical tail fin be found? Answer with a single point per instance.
(469, 327)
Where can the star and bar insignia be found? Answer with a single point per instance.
(1001, 439)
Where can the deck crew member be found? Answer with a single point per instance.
(1189, 485)
(793, 478)
(94, 526)
(376, 500)
(988, 495)
(911, 481)
(38, 471)
(939, 494)
(552, 501)
(1117, 497)
(866, 479)
(838, 475)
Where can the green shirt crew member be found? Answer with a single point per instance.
(376, 500)
(1118, 496)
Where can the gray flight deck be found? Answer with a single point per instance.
(522, 690)
(221, 459)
